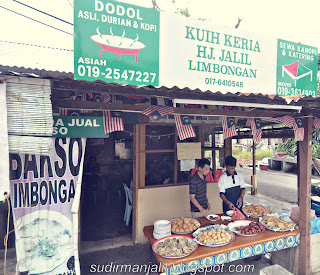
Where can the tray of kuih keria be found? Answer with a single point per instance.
(214, 235)
(256, 210)
(184, 225)
(277, 222)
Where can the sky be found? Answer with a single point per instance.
(287, 19)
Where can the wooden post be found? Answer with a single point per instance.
(304, 179)
(135, 185)
(228, 147)
(214, 164)
(175, 165)
(142, 155)
(201, 139)
(254, 171)
(139, 168)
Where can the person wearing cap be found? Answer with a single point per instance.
(231, 186)
(198, 190)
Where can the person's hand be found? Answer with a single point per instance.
(208, 206)
(239, 202)
(231, 205)
(204, 212)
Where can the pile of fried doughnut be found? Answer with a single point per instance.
(181, 225)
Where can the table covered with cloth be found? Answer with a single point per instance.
(241, 247)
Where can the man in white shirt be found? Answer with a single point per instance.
(231, 186)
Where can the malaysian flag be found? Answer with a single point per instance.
(85, 97)
(105, 98)
(296, 123)
(229, 127)
(298, 129)
(286, 120)
(256, 129)
(184, 127)
(316, 123)
(69, 112)
(63, 111)
(98, 97)
(112, 121)
(117, 99)
(157, 112)
(248, 123)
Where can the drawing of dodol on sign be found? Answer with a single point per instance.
(297, 67)
(116, 42)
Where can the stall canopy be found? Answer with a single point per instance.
(296, 70)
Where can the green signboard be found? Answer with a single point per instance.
(73, 126)
(297, 66)
(116, 42)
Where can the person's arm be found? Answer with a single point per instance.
(243, 190)
(197, 204)
(240, 199)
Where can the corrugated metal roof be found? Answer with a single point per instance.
(162, 91)
(48, 62)
(36, 57)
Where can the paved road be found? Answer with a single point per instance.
(275, 184)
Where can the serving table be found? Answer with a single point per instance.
(242, 247)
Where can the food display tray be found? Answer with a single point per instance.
(216, 226)
(196, 245)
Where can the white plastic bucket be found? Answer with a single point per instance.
(162, 227)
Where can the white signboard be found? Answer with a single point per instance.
(195, 54)
(187, 164)
(189, 150)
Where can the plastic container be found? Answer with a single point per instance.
(281, 154)
(264, 167)
(162, 227)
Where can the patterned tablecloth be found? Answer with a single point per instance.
(240, 248)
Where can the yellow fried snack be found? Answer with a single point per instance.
(276, 222)
(182, 225)
(256, 209)
(214, 236)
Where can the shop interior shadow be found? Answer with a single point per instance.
(102, 209)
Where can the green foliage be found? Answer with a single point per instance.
(316, 150)
(237, 152)
(316, 143)
(318, 80)
(260, 154)
(290, 148)
(185, 12)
